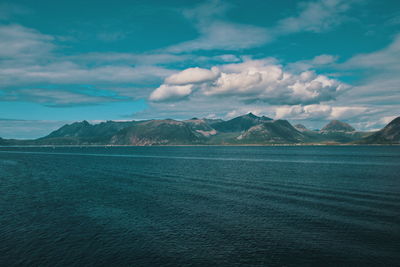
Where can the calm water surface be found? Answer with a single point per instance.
(200, 206)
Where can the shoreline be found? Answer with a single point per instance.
(203, 145)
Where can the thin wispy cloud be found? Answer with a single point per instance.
(216, 32)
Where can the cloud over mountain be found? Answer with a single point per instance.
(250, 81)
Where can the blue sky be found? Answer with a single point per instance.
(305, 61)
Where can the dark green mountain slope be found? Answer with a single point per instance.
(158, 132)
(246, 129)
(85, 133)
(239, 124)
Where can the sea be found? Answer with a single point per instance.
(200, 206)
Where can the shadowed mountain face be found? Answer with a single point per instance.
(301, 127)
(337, 126)
(390, 134)
(85, 129)
(246, 129)
(85, 133)
(160, 132)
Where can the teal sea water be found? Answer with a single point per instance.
(200, 206)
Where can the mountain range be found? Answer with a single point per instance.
(247, 129)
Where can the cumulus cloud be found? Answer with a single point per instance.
(171, 92)
(193, 75)
(252, 80)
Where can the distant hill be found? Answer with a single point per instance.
(337, 126)
(390, 134)
(245, 129)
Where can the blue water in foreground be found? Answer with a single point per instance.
(200, 206)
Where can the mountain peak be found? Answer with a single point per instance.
(338, 126)
(251, 115)
(274, 131)
(241, 123)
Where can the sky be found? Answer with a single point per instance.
(305, 61)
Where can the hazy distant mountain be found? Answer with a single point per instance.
(246, 129)
(339, 132)
(278, 131)
(239, 124)
(390, 134)
(337, 126)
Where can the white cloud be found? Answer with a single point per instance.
(385, 59)
(318, 61)
(303, 112)
(193, 75)
(255, 80)
(347, 112)
(70, 73)
(30, 58)
(171, 92)
(318, 111)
